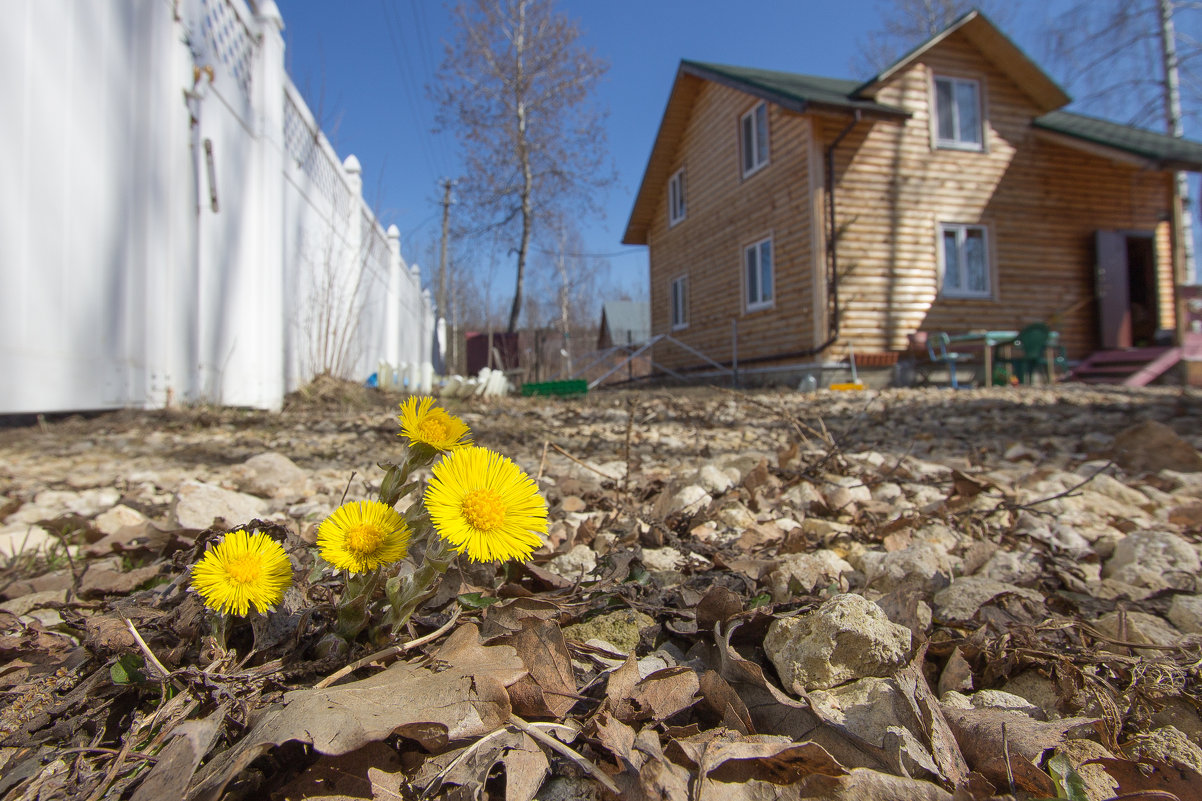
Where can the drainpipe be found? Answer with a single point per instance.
(832, 242)
(832, 279)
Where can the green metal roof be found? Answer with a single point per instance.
(790, 90)
(627, 320)
(1163, 150)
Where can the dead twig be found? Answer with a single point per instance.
(388, 652)
(1005, 506)
(562, 748)
(98, 749)
(163, 672)
(585, 465)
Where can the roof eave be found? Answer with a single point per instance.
(868, 108)
(640, 216)
(1096, 148)
(1145, 158)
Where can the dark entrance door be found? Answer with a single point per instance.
(1125, 285)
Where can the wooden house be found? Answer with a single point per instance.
(790, 216)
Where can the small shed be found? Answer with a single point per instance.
(624, 322)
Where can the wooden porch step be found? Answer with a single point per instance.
(1132, 367)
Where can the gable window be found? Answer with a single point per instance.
(964, 256)
(958, 113)
(676, 205)
(753, 138)
(757, 270)
(680, 302)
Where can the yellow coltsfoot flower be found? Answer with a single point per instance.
(363, 535)
(423, 423)
(244, 570)
(483, 505)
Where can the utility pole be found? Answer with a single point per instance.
(1183, 234)
(442, 263)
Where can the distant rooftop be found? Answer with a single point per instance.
(624, 322)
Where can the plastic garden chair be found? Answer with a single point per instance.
(937, 350)
(1033, 342)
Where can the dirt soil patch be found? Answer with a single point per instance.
(764, 594)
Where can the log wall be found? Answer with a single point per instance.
(724, 213)
(1040, 201)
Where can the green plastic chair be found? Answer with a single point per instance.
(1033, 342)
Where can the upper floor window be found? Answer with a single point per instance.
(753, 138)
(757, 268)
(680, 302)
(965, 259)
(676, 205)
(958, 113)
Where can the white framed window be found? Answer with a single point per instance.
(676, 206)
(964, 261)
(753, 139)
(958, 114)
(757, 274)
(680, 302)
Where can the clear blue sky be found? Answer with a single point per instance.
(363, 66)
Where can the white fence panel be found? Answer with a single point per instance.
(173, 224)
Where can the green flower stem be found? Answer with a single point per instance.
(405, 593)
(396, 483)
(352, 609)
(219, 623)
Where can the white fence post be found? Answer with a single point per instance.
(392, 345)
(355, 254)
(269, 115)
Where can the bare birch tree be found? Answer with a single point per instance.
(516, 88)
(1135, 61)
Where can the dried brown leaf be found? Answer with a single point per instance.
(190, 742)
(549, 686)
(727, 756)
(935, 729)
(461, 696)
(718, 605)
(981, 732)
(615, 736)
(469, 767)
(862, 784)
(724, 703)
(621, 682)
(1149, 775)
(507, 617)
(659, 696)
(956, 675)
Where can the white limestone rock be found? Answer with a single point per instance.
(961, 599)
(847, 637)
(1185, 612)
(198, 505)
(714, 480)
(1153, 559)
(577, 562)
(922, 564)
(872, 709)
(800, 573)
(273, 475)
(117, 518)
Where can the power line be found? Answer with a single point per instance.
(405, 72)
(614, 254)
